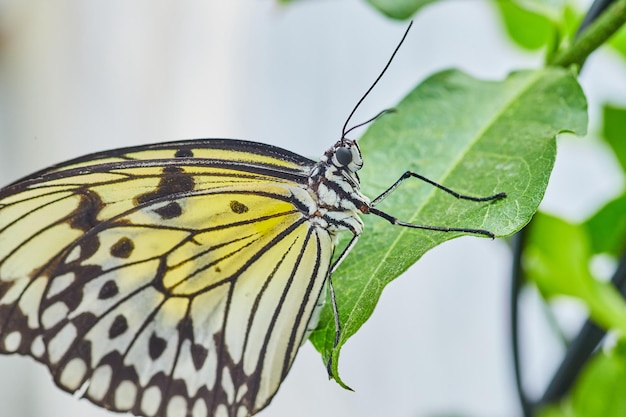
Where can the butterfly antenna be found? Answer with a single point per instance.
(382, 113)
(345, 130)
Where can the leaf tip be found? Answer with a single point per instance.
(333, 371)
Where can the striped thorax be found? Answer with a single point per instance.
(335, 186)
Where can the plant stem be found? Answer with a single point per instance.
(517, 281)
(595, 35)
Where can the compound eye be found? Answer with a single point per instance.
(343, 155)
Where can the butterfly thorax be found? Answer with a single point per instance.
(334, 186)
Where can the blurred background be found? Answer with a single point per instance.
(79, 77)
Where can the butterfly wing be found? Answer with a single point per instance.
(171, 280)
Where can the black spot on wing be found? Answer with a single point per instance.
(119, 326)
(108, 290)
(173, 181)
(89, 245)
(184, 153)
(238, 207)
(169, 211)
(85, 216)
(185, 329)
(198, 355)
(156, 346)
(123, 248)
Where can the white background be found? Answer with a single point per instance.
(81, 76)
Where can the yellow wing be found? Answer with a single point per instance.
(169, 280)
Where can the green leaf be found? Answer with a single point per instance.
(618, 42)
(552, 9)
(607, 228)
(536, 24)
(556, 410)
(476, 137)
(614, 131)
(556, 258)
(599, 391)
(529, 29)
(399, 9)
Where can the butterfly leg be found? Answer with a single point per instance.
(411, 174)
(397, 222)
(345, 252)
(333, 300)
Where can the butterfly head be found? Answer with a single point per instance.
(335, 181)
(345, 155)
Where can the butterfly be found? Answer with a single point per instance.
(179, 279)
